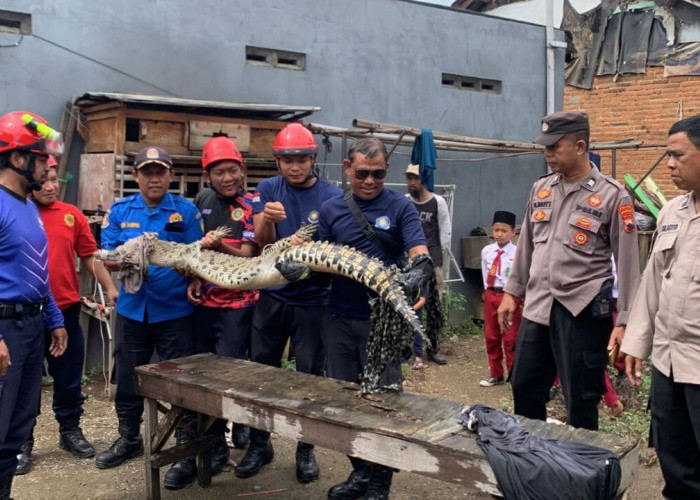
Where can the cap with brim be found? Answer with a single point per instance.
(413, 169)
(557, 125)
(152, 154)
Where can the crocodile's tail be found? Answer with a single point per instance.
(331, 258)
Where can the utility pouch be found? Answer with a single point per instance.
(602, 304)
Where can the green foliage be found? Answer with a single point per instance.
(453, 301)
(93, 372)
(289, 364)
(635, 421)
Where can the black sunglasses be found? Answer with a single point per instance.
(378, 174)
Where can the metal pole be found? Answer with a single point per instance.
(549, 37)
(613, 166)
(343, 154)
(650, 170)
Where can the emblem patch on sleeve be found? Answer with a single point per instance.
(626, 212)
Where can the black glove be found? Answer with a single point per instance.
(418, 274)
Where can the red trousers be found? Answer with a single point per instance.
(496, 342)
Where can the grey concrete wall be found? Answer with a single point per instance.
(375, 59)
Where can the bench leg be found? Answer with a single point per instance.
(204, 457)
(152, 473)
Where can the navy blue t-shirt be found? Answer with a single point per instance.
(395, 220)
(301, 205)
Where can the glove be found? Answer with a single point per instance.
(418, 274)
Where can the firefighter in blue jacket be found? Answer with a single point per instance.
(27, 308)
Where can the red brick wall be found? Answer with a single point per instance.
(637, 107)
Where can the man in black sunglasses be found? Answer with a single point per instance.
(346, 326)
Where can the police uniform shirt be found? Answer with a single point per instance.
(24, 256)
(566, 243)
(236, 215)
(174, 219)
(488, 255)
(393, 218)
(665, 317)
(301, 205)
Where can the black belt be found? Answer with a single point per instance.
(497, 289)
(20, 310)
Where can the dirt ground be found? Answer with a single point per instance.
(57, 475)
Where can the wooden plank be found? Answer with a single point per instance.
(169, 135)
(201, 131)
(96, 181)
(103, 135)
(186, 117)
(262, 140)
(152, 473)
(407, 431)
(166, 427)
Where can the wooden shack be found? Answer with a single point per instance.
(115, 126)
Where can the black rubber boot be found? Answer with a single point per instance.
(355, 486)
(184, 471)
(128, 445)
(260, 452)
(307, 468)
(436, 357)
(379, 483)
(219, 455)
(6, 487)
(241, 436)
(72, 439)
(24, 459)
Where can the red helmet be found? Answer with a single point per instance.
(294, 139)
(218, 149)
(15, 134)
(52, 161)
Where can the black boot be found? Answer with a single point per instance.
(184, 471)
(128, 445)
(436, 357)
(72, 439)
(307, 468)
(379, 483)
(24, 459)
(241, 436)
(260, 452)
(219, 455)
(5, 487)
(355, 486)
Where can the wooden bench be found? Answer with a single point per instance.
(410, 432)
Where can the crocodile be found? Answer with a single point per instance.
(279, 263)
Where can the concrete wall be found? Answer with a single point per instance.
(375, 59)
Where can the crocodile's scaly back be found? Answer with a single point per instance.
(373, 273)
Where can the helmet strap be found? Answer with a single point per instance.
(27, 173)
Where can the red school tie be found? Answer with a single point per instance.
(495, 269)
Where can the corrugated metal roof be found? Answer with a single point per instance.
(219, 108)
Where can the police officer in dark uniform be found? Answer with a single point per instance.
(27, 308)
(158, 316)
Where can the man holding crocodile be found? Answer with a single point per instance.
(158, 315)
(384, 224)
(280, 206)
